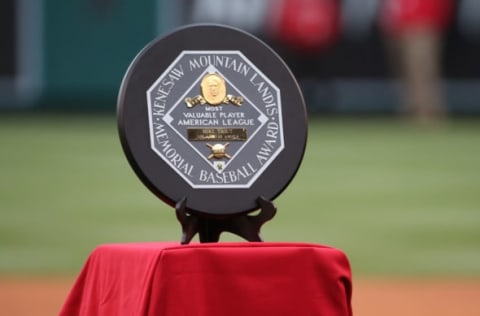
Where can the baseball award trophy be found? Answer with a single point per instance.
(213, 122)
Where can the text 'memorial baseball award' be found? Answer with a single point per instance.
(213, 123)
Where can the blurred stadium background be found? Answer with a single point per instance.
(71, 55)
(401, 199)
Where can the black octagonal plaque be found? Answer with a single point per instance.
(211, 116)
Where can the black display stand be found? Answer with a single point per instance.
(209, 228)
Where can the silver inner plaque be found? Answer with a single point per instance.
(215, 119)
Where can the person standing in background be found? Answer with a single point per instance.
(414, 31)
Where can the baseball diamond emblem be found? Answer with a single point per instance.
(215, 119)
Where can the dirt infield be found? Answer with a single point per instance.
(371, 297)
(425, 297)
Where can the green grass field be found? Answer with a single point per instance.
(397, 198)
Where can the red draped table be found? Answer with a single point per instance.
(169, 279)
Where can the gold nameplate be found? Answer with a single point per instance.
(217, 134)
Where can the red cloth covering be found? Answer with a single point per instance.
(399, 16)
(212, 279)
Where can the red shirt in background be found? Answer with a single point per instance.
(399, 16)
